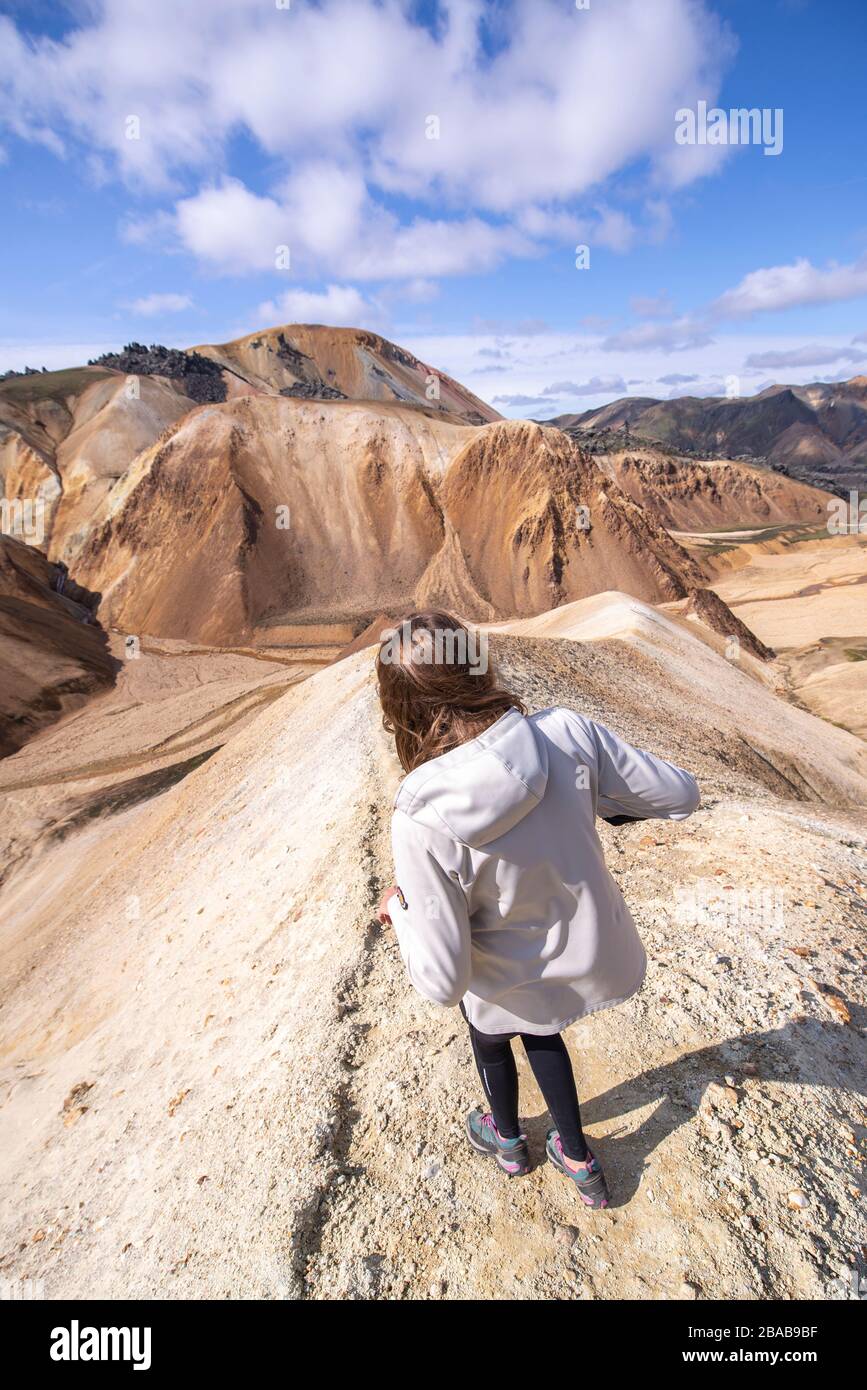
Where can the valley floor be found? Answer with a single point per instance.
(807, 599)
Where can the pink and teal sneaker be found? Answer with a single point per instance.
(588, 1177)
(512, 1155)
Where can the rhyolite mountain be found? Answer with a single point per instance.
(271, 510)
(330, 475)
(319, 363)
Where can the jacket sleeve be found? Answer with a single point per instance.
(638, 785)
(430, 915)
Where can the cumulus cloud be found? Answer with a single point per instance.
(676, 379)
(602, 89)
(231, 228)
(339, 306)
(324, 219)
(790, 286)
(154, 93)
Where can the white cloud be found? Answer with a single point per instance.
(601, 84)
(518, 399)
(790, 286)
(324, 203)
(684, 164)
(603, 226)
(660, 219)
(596, 386)
(682, 335)
(340, 306)
(231, 228)
(614, 230)
(770, 289)
(430, 248)
(813, 356)
(323, 214)
(153, 304)
(153, 92)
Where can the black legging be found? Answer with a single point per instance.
(553, 1071)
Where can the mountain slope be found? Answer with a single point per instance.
(693, 495)
(514, 495)
(66, 437)
(268, 510)
(309, 360)
(52, 653)
(815, 433)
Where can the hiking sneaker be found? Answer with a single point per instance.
(588, 1177)
(512, 1155)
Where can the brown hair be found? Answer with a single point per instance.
(435, 693)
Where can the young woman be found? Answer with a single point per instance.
(503, 904)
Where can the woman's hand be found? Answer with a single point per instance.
(382, 916)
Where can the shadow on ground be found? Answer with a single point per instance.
(806, 1052)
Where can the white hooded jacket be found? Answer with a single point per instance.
(505, 901)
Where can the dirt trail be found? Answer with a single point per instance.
(701, 1170)
(721, 1090)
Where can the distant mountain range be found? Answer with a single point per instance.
(816, 434)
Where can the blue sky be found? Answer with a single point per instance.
(155, 157)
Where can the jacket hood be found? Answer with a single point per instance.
(483, 788)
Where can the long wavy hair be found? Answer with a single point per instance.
(436, 687)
